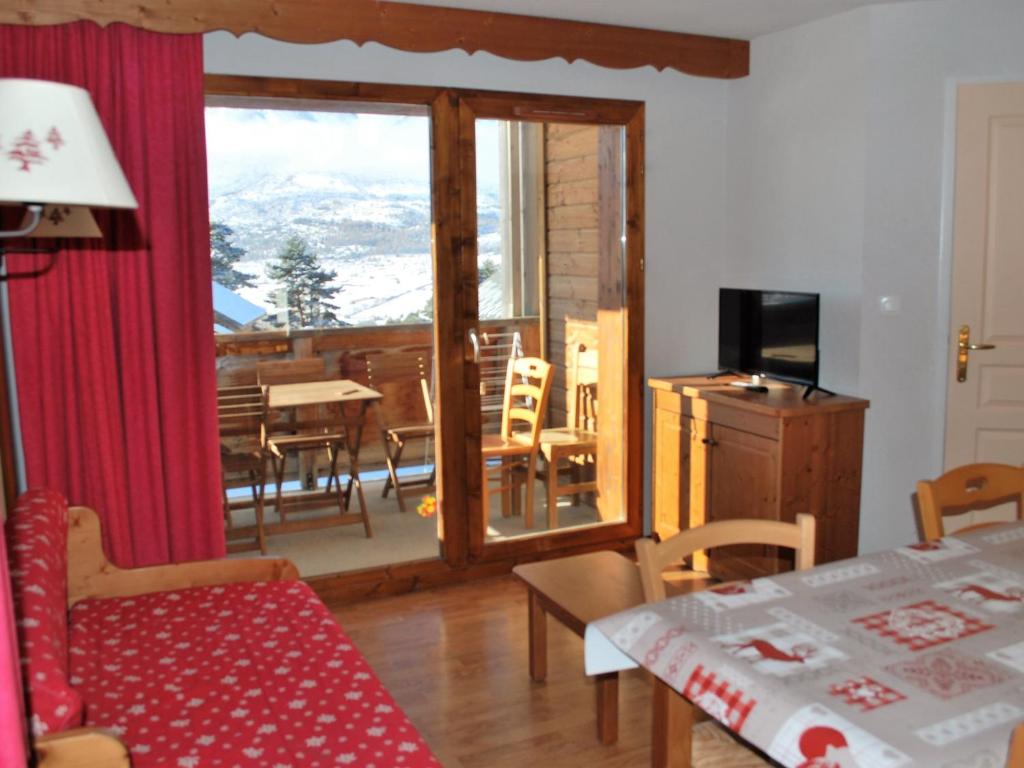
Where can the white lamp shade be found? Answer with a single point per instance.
(53, 148)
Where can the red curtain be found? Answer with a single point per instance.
(113, 348)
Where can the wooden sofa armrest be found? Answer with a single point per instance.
(81, 748)
(91, 574)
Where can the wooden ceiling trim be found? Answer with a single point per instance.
(408, 27)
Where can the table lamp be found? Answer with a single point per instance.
(55, 160)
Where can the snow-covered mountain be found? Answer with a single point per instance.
(375, 234)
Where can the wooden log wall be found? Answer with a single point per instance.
(571, 186)
(344, 353)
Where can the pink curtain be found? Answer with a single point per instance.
(113, 348)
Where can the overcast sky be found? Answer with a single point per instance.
(386, 147)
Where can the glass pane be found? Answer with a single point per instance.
(321, 248)
(551, 254)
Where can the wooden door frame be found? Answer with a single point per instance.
(452, 111)
(629, 115)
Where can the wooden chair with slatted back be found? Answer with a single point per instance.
(968, 488)
(673, 716)
(405, 413)
(572, 449)
(311, 429)
(239, 418)
(527, 386)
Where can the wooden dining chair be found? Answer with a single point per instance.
(239, 420)
(968, 488)
(527, 386)
(572, 450)
(309, 430)
(405, 413)
(673, 715)
(654, 557)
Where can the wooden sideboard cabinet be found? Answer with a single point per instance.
(721, 452)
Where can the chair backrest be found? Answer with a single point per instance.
(583, 388)
(312, 419)
(965, 489)
(527, 386)
(403, 376)
(239, 411)
(291, 371)
(654, 557)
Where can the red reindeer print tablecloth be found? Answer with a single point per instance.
(912, 657)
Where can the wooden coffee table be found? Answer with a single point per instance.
(577, 590)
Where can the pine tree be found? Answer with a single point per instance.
(306, 285)
(225, 255)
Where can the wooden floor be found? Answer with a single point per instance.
(455, 659)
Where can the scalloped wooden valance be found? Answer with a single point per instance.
(408, 27)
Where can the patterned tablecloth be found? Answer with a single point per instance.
(912, 657)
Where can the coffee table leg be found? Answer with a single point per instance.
(608, 707)
(671, 728)
(538, 639)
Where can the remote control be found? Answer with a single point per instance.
(748, 386)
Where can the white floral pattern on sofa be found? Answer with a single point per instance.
(37, 545)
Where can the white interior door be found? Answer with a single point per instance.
(985, 393)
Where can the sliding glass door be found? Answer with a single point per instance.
(464, 233)
(552, 253)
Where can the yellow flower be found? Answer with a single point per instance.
(427, 507)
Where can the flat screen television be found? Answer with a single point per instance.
(770, 333)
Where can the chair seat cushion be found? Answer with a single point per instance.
(240, 674)
(496, 445)
(568, 438)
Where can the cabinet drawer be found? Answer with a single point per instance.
(735, 418)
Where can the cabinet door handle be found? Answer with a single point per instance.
(709, 441)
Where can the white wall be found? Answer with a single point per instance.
(685, 146)
(839, 162)
(918, 52)
(796, 173)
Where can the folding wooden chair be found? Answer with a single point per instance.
(405, 412)
(240, 417)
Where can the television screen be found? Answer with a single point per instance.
(771, 333)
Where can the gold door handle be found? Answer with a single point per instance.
(963, 348)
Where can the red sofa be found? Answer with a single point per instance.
(222, 663)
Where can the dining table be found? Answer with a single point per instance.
(912, 656)
(342, 393)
